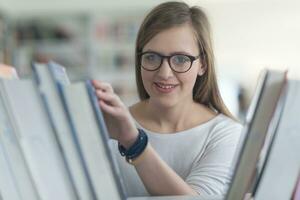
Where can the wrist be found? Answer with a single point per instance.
(136, 149)
(129, 140)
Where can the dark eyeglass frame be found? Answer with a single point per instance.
(192, 58)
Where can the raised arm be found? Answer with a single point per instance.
(157, 176)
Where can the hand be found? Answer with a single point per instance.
(117, 117)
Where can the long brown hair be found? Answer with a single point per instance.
(171, 14)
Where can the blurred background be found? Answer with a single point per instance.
(96, 38)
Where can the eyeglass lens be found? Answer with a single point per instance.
(178, 62)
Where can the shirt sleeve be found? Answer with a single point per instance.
(211, 173)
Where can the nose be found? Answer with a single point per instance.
(165, 70)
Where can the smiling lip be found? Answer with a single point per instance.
(164, 87)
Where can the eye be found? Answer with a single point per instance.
(180, 59)
(151, 57)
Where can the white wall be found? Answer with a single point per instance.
(252, 35)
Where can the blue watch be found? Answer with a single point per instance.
(137, 148)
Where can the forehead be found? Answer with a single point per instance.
(176, 39)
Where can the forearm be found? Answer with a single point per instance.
(158, 177)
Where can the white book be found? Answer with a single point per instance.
(283, 162)
(106, 140)
(78, 105)
(260, 114)
(8, 185)
(47, 78)
(18, 172)
(36, 138)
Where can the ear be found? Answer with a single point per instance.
(202, 69)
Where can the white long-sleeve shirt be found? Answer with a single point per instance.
(202, 156)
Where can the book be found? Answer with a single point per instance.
(283, 162)
(106, 140)
(9, 187)
(269, 89)
(7, 179)
(16, 177)
(35, 134)
(80, 109)
(59, 74)
(47, 78)
(269, 138)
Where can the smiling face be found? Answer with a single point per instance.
(164, 86)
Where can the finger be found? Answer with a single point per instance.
(109, 98)
(107, 87)
(102, 85)
(96, 83)
(107, 108)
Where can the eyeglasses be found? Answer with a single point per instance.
(180, 63)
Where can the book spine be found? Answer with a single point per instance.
(8, 182)
(58, 72)
(60, 88)
(15, 158)
(58, 80)
(39, 83)
(105, 137)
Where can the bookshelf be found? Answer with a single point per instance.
(113, 51)
(3, 37)
(98, 46)
(61, 37)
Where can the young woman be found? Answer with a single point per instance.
(179, 139)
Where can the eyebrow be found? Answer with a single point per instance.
(172, 53)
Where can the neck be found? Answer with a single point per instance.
(170, 119)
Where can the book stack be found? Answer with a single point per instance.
(53, 140)
(268, 163)
(54, 143)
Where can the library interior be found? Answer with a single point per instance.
(56, 142)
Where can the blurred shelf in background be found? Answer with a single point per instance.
(97, 46)
(62, 38)
(4, 47)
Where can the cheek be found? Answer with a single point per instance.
(146, 78)
(188, 79)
